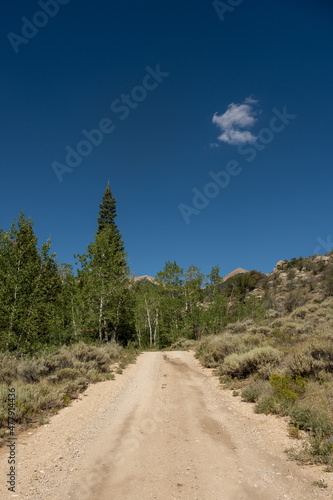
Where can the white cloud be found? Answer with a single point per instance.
(236, 118)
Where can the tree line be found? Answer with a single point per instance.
(44, 304)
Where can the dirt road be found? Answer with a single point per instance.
(163, 430)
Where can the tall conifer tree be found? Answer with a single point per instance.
(106, 219)
(104, 277)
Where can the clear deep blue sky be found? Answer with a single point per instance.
(269, 54)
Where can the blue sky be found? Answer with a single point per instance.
(243, 64)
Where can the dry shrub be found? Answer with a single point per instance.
(213, 350)
(312, 357)
(240, 326)
(114, 351)
(320, 397)
(300, 313)
(261, 359)
(63, 358)
(8, 368)
(78, 385)
(31, 370)
(65, 373)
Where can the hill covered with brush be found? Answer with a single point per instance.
(283, 360)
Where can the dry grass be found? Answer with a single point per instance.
(46, 383)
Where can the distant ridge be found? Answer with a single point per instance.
(235, 272)
(149, 279)
(145, 279)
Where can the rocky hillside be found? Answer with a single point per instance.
(282, 359)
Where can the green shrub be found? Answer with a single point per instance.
(72, 387)
(286, 387)
(102, 360)
(267, 405)
(321, 447)
(310, 420)
(250, 394)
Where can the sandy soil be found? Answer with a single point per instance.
(165, 429)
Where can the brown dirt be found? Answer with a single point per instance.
(165, 429)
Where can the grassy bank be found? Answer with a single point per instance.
(49, 381)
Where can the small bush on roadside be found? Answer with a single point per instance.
(267, 405)
(256, 360)
(213, 350)
(286, 387)
(294, 431)
(250, 394)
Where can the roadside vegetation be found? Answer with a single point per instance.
(59, 332)
(269, 337)
(283, 362)
(49, 381)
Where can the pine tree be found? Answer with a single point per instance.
(107, 210)
(106, 219)
(104, 278)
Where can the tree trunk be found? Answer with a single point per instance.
(11, 326)
(149, 323)
(100, 319)
(106, 331)
(73, 316)
(156, 327)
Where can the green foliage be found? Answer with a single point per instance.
(266, 405)
(310, 420)
(294, 263)
(104, 290)
(251, 307)
(286, 387)
(106, 220)
(250, 394)
(214, 277)
(30, 289)
(172, 275)
(320, 484)
(239, 286)
(327, 280)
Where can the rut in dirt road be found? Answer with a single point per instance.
(164, 429)
(170, 438)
